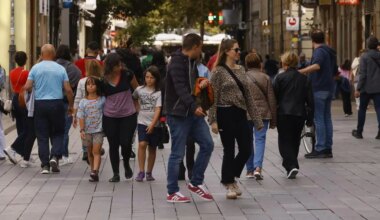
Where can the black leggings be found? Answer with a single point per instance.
(119, 132)
(233, 125)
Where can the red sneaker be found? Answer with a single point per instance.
(201, 191)
(177, 198)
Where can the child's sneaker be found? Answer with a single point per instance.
(140, 177)
(177, 198)
(24, 164)
(149, 177)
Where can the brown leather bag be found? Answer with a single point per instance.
(21, 98)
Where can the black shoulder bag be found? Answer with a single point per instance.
(238, 82)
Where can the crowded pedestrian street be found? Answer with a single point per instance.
(346, 186)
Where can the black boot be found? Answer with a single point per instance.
(128, 171)
(359, 135)
(182, 170)
(378, 135)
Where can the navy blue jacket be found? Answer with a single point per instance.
(180, 79)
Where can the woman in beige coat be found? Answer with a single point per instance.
(263, 95)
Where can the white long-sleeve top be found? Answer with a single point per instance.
(81, 92)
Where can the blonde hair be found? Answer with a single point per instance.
(93, 68)
(289, 59)
(224, 46)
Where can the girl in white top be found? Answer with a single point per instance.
(149, 108)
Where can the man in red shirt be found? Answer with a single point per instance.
(92, 52)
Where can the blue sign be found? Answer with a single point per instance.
(67, 3)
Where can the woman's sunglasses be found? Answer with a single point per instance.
(237, 50)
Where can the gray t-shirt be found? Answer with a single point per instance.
(148, 100)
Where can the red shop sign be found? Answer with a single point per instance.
(348, 2)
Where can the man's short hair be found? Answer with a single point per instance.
(93, 45)
(191, 40)
(318, 36)
(372, 42)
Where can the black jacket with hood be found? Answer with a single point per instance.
(180, 79)
(369, 80)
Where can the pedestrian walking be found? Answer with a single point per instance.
(90, 113)
(92, 51)
(119, 114)
(93, 69)
(368, 86)
(49, 80)
(18, 77)
(321, 72)
(2, 137)
(63, 57)
(356, 74)
(294, 106)
(186, 118)
(265, 100)
(344, 87)
(149, 110)
(228, 115)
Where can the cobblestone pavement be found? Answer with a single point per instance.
(345, 187)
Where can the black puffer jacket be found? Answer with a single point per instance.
(179, 83)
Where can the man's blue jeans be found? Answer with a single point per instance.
(258, 148)
(49, 120)
(180, 129)
(364, 100)
(322, 120)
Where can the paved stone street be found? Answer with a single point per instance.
(345, 187)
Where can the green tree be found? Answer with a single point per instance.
(121, 9)
(183, 14)
(141, 30)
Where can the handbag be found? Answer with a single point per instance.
(165, 137)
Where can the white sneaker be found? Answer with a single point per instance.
(11, 154)
(24, 164)
(293, 173)
(66, 161)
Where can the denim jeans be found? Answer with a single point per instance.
(180, 129)
(322, 120)
(258, 148)
(364, 100)
(68, 122)
(49, 121)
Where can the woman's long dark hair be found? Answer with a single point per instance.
(112, 60)
(156, 74)
(63, 52)
(346, 65)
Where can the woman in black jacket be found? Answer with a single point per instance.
(294, 106)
